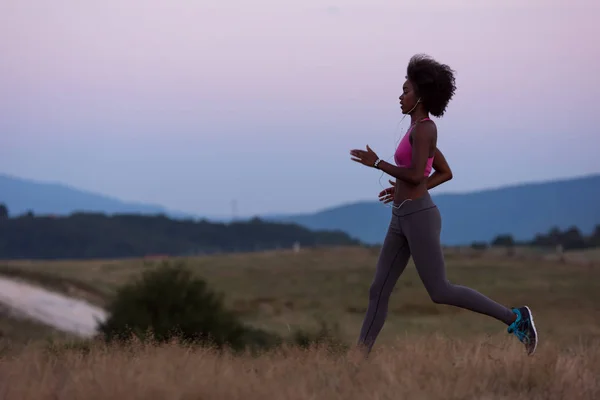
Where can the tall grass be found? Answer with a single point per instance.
(429, 367)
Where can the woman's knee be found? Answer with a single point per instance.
(438, 297)
(377, 291)
(441, 294)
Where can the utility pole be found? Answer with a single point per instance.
(233, 209)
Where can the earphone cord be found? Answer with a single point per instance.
(396, 141)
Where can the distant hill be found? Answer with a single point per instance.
(22, 195)
(521, 210)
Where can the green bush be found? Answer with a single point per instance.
(169, 303)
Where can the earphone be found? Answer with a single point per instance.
(396, 142)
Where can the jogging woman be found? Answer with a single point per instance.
(415, 221)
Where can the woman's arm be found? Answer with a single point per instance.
(442, 172)
(415, 174)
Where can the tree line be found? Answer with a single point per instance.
(96, 235)
(569, 239)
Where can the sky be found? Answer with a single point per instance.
(196, 104)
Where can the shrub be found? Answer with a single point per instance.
(505, 240)
(169, 303)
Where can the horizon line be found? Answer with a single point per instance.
(168, 210)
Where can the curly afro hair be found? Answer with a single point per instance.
(434, 83)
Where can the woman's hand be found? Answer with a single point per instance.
(367, 157)
(387, 195)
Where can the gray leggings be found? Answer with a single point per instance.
(415, 230)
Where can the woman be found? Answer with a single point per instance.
(415, 222)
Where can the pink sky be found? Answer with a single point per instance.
(191, 104)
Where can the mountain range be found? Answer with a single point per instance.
(520, 210)
(23, 195)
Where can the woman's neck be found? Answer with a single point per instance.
(417, 116)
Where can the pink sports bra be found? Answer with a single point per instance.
(403, 155)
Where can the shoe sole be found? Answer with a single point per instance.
(534, 330)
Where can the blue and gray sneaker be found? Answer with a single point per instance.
(524, 329)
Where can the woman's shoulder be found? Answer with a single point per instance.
(425, 128)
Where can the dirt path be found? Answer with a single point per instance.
(59, 311)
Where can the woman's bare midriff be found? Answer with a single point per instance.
(404, 191)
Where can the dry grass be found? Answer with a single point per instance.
(17, 332)
(425, 368)
(283, 291)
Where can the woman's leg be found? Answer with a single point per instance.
(393, 259)
(422, 230)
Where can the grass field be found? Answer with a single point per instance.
(425, 350)
(423, 368)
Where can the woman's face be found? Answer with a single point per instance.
(408, 98)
